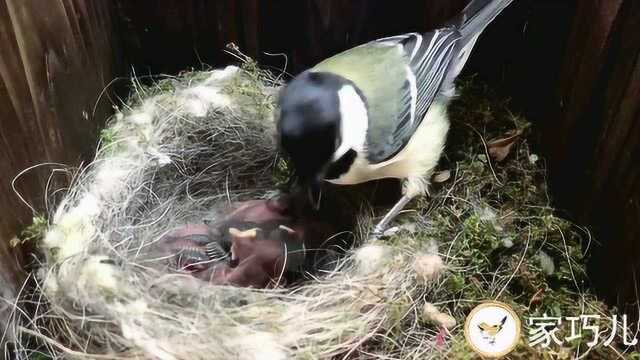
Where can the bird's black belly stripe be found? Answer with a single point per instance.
(342, 165)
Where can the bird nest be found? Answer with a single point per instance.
(187, 146)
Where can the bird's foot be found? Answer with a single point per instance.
(379, 229)
(377, 233)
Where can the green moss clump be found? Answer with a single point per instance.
(36, 230)
(249, 89)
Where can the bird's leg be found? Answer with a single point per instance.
(395, 210)
(412, 187)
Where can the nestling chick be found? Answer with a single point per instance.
(255, 243)
(379, 110)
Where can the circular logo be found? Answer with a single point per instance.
(492, 329)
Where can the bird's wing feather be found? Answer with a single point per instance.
(429, 56)
(400, 77)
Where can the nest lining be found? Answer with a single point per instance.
(191, 143)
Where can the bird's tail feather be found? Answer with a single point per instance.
(473, 19)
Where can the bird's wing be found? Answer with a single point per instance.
(400, 77)
(429, 56)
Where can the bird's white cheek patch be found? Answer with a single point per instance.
(354, 121)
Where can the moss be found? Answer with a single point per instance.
(282, 173)
(36, 230)
(40, 356)
(107, 137)
(250, 87)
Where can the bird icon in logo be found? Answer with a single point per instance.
(489, 332)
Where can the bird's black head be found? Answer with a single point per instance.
(309, 123)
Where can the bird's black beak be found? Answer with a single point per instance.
(315, 193)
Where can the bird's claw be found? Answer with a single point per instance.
(377, 233)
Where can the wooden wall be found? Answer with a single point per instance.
(174, 34)
(55, 59)
(595, 154)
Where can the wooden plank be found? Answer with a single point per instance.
(165, 35)
(227, 22)
(585, 56)
(52, 69)
(251, 25)
(591, 138)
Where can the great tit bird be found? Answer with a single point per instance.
(379, 110)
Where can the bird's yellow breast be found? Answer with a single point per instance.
(416, 160)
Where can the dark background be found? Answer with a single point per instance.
(571, 66)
